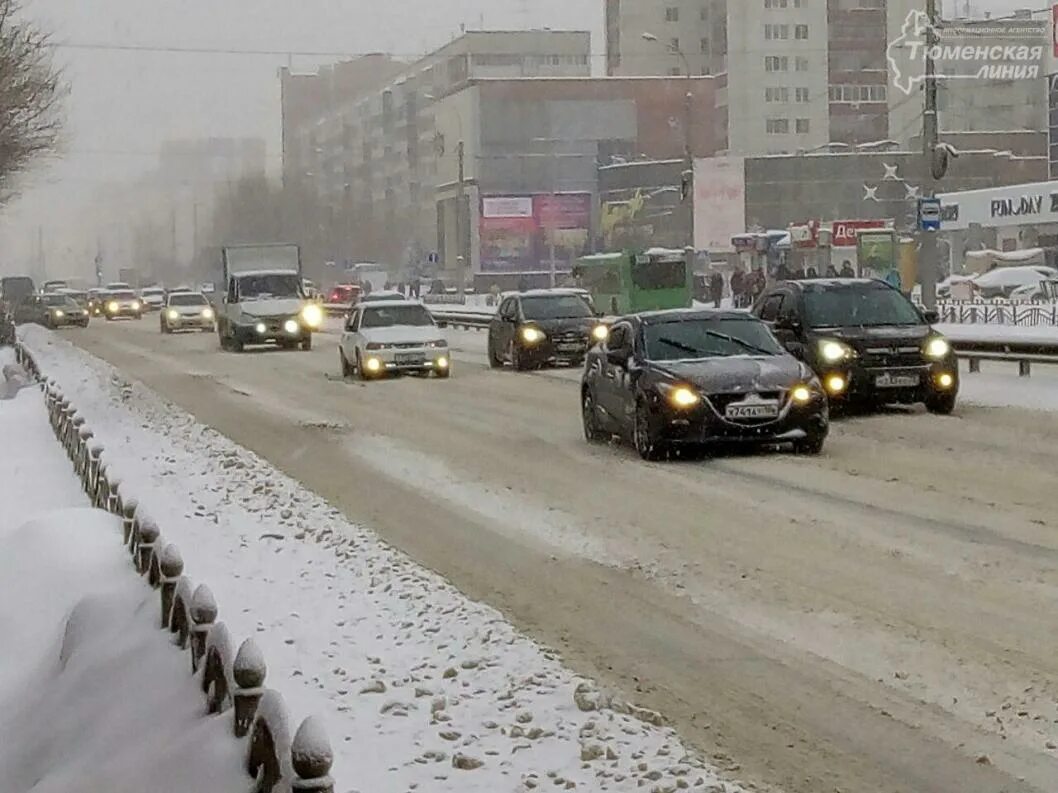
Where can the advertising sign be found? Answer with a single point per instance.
(507, 231)
(1017, 205)
(719, 202)
(876, 254)
(844, 232)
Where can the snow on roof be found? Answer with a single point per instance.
(258, 273)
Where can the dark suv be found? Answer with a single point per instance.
(865, 340)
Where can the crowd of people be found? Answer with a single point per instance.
(746, 287)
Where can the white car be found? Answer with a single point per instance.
(393, 336)
(187, 311)
(153, 298)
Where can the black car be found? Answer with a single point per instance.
(541, 327)
(52, 310)
(867, 342)
(695, 377)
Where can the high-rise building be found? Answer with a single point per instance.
(794, 75)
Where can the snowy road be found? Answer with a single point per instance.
(878, 619)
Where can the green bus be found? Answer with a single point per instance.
(629, 282)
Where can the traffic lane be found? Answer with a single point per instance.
(894, 579)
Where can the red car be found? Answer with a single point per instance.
(345, 294)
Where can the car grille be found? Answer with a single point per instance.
(408, 345)
(721, 401)
(892, 356)
(570, 337)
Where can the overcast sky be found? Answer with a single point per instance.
(124, 104)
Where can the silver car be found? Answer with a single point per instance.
(393, 336)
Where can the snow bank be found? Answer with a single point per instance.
(417, 687)
(92, 697)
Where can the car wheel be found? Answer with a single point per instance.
(495, 361)
(347, 369)
(810, 446)
(941, 404)
(360, 368)
(444, 374)
(518, 358)
(590, 419)
(306, 343)
(646, 445)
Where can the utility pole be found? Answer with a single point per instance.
(461, 259)
(934, 163)
(42, 261)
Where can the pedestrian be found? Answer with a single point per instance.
(832, 271)
(716, 289)
(757, 285)
(523, 284)
(846, 270)
(782, 273)
(737, 287)
(811, 272)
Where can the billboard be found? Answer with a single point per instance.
(517, 232)
(719, 202)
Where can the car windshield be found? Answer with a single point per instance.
(555, 307)
(389, 316)
(123, 295)
(692, 339)
(860, 305)
(153, 292)
(189, 299)
(59, 301)
(269, 285)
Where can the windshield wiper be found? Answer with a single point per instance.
(741, 342)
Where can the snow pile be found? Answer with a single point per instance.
(92, 697)
(416, 686)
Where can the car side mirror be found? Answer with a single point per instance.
(931, 317)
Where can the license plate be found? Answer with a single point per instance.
(409, 357)
(888, 380)
(762, 411)
(569, 347)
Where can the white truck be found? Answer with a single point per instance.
(263, 299)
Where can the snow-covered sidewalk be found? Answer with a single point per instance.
(419, 688)
(92, 696)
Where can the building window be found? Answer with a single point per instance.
(801, 95)
(776, 94)
(777, 126)
(674, 44)
(704, 13)
(855, 94)
(802, 126)
(801, 63)
(674, 71)
(776, 32)
(777, 3)
(672, 14)
(801, 32)
(776, 63)
(705, 47)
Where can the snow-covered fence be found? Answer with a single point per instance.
(998, 312)
(275, 761)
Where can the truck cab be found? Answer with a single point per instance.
(264, 300)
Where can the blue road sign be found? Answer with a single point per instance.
(929, 214)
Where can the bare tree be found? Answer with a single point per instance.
(31, 91)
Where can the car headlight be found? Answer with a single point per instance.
(312, 315)
(681, 396)
(172, 314)
(373, 364)
(260, 327)
(112, 306)
(600, 333)
(442, 363)
(59, 313)
(440, 343)
(836, 384)
(291, 326)
(532, 335)
(135, 305)
(801, 394)
(937, 348)
(834, 351)
(207, 313)
(84, 313)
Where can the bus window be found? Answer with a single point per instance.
(600, 279)
(660, 275)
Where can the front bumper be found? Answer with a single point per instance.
(272, 330)
(68, 320)
(568, 349)
(191, 321)
(890, 384)
(409, 359)
(704, 424)
(123, 311)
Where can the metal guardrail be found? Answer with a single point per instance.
(1024, 354)
(998, 312)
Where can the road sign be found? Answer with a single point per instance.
(929, 214)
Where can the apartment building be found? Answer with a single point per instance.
(369, 156)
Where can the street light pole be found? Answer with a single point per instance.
(461, 261)
(687, 179)
(932, 169)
